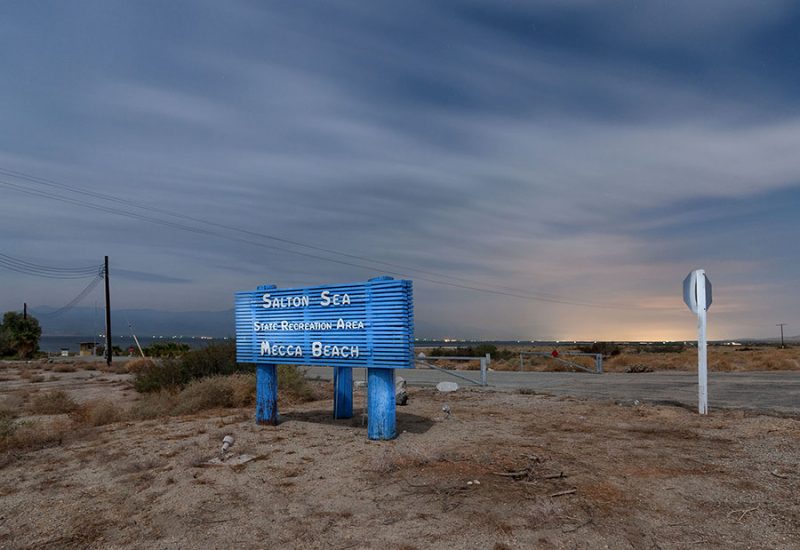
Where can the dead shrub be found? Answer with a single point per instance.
(243, 387)
(30, 436)
(114, 369)
(7, 425)
(292, 384)
(12, 404)
(138, 366)
(97, 413)
(205, 393)
(153, 405)
(64, 368)
(53, 402)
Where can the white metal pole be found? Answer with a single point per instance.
(702, 347)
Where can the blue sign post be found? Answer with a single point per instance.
(368, 325)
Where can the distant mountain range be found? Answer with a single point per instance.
(144, 322)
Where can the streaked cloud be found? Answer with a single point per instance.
(596, 153)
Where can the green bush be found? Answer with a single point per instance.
(166, 349)
(169, 374)
(676, 347)
(210, 377)
(212, 360)
(19, 335)
(473, 351)
(292, 382)
(608, 349)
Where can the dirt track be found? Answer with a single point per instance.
(633, 477)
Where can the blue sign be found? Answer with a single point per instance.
(367, 324)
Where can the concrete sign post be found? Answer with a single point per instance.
(697, 295)
(368, 325)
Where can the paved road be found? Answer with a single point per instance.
(777, 391)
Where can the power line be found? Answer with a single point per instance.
(20, 261)
(76, 300)
(28, 268)
(473, 286)
(151, 208)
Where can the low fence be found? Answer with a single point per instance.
(556, 356)
(485, 361)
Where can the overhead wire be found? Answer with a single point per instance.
(76, 300)
(23, 266)
(134, 215)
(148, 207)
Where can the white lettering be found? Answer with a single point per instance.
(284, 301)
(341, 324)
(327, 299)
(318, 349)
(281, 350)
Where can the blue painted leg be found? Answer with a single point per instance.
(381, 413)
(342, 392)
(266, 394)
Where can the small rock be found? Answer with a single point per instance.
(469, 483)
(446, 386)
(638, 368)
(400, 393)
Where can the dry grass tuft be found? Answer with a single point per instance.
(64, 368)
(97, 413)
(12, 404)
(140, 365)
(243, 387)
(236, 390)
(54, 402)
(153, 405)
(205, 393)
(114, 369)
(30, 436)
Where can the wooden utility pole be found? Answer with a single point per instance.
(108, 314)
(24, 310)
(781, 325)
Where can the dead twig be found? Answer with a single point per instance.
(576, 527)
(555, 476)
(562, 493)
(777, 474)
(743, 513)
(520, 473)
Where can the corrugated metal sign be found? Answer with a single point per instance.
(367, 324)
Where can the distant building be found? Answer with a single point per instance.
(87, 349)
(64, 352)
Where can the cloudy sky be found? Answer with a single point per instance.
(567, 161)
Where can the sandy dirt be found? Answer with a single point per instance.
(501, 470)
